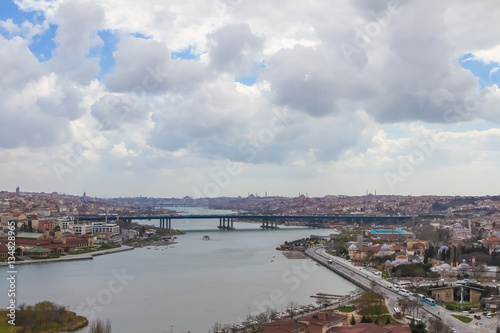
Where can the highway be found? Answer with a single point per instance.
(369, 281)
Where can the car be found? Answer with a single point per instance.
(453, 330)
(488, 315)
(471, 311)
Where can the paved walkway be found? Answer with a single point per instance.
(368, 280)
(70, 257)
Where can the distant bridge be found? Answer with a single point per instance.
(226, 222)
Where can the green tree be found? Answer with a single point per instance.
(353, 321)
(387, 321)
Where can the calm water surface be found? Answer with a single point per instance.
(185, 287)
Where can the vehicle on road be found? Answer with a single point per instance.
(430, 301)
(421, 297)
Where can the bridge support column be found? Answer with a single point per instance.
(169, 221)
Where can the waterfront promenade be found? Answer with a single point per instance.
(368, 280)
(70, 257)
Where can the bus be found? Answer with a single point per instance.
(430, 301)
(421, 297)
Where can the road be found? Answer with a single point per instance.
(370, 281)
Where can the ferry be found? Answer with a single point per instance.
(206, 237)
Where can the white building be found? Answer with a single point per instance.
(101, 227)
(82, 229)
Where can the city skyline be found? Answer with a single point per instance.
(230, 97)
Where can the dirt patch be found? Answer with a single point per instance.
(294, 254)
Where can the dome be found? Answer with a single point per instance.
(385, 247)
(443, 248)
(352, 247)
(388, 262)
(454, 269)
(463, 266)
(445, 266)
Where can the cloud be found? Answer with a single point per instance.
(114, 111)
(78, 23)
(311, 113)
(119, 150)
(234, 48)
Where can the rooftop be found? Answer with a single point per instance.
(33, 235)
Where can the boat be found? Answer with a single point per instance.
(206, 237)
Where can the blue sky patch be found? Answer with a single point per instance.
(9, 10)
(43, 45)
(488, 74)
(252, 78)
(139, 35)
(247, 80)
(105, 53)
(186, 54)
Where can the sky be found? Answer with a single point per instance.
(217, 98)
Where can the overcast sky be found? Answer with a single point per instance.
(230, 97)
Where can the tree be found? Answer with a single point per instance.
(291, 308)
(262, 318)
(216, 327)
(376, 322)
(417, 327)
(387, 321)
(436, 325)
(99, 327)
(353, 321)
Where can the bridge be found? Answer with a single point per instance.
(226, 222)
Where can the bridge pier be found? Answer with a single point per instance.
(166, 223)
(269, 224)
(317, 223)
(222, 223)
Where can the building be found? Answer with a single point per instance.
(37, 252)
(461, 294)
(4, 251)
(323, 321)
(389, 234)
(372, 328)
(285, 326)
(82, 229)
(105, 228)
(319, 322)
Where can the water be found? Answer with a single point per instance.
(187, 287)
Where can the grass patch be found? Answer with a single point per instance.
(345, 309)
(94, 248)
(383, 318)
(371, 304)
(44, 317)
(455, 306)
(465, 319)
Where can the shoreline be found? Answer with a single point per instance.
(75, 257)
